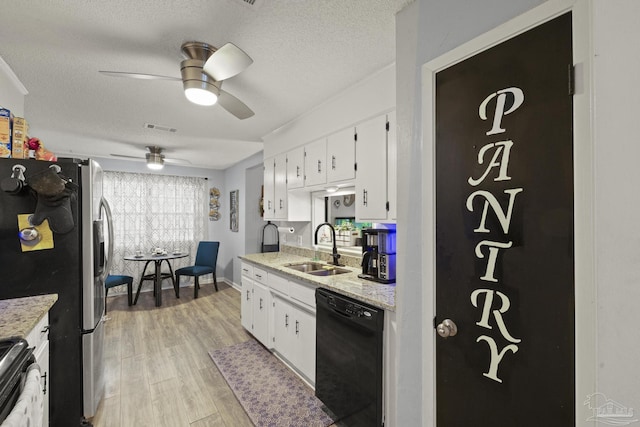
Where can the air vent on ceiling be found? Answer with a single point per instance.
(253, 4)
(160, 127)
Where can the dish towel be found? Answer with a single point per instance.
(30, 405)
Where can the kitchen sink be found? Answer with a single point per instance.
(306, 267)
(329, 272)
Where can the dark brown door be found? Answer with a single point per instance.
(504, 234)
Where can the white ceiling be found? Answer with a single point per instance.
(304, 52)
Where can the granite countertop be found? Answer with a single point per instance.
(349, 284)
(18, 316)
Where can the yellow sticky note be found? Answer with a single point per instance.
(45, 239)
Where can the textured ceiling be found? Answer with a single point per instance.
(304, 52)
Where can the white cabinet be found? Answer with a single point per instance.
(254, 305)
(269, 188)
(315, 158)
(295, 336)
(295, 168)
(38, 338)
(341, 156)
(372, 171)
(246, 302)
(279, 204)
(280, 187)
(261, 313)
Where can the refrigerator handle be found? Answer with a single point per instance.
(109, 219)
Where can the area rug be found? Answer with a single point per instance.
(268, 391)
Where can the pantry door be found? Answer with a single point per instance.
(505, 234)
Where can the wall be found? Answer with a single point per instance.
(235, 179)
(617, 229)
(424, 30)
(12, 92)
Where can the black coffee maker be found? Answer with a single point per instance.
(379, 255)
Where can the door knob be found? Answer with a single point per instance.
(447, 328)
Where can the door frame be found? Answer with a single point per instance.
(585, 291)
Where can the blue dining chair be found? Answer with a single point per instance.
(206, 259)
(117, 280)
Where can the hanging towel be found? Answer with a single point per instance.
(30, 405)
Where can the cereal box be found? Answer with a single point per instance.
(20, 138)
(6, 126)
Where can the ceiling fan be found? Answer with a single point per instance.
(155, 158)
(203, 71)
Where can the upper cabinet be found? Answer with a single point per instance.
(295, 168)
(280, 187)
(279, 204)
(341, 156)
(315, 163)
(269, 188)
(375, 170)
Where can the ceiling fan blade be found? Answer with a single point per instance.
(127, 157)
(226, 62)
(234, 105)
(177, 161)
(138, 75)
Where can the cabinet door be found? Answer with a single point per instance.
(315, 156)
(371, 173)
(295, 168)
(246, 304)
(269, 188)
(341, 156)
(280, 187)
(392, 166)
(304, 342)
(282, 327)
(42, 359)
(261, 313)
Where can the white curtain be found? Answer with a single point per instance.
(151, 211)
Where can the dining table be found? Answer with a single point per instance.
(157, 258)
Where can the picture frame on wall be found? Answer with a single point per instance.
(234, 209)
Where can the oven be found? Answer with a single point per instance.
(349, 359)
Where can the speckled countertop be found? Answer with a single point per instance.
(349, 284)
(18, 316)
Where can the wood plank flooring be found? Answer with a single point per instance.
(157, 368)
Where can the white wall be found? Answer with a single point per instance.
(12, 92)
(616, 61)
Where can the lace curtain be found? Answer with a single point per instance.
(152, 211)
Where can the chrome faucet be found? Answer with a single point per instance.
(335, 253)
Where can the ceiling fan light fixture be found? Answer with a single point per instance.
(200, 96)
(155, 161)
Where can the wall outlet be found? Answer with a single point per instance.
(300, 240)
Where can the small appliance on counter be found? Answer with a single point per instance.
(379, 255)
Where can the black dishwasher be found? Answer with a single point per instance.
(349, 358)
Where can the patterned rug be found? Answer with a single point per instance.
(268, 391)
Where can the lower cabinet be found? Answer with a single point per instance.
(38, 338)
(280, 313)
(295, 336)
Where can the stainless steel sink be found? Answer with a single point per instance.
(306, 267)
(329, 272)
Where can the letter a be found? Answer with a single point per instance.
(502, 148)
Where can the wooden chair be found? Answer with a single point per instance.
(206, 259)
(117, 280)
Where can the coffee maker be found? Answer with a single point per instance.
(379, 255)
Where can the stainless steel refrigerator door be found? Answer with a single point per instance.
(95, 246)
(93, 369)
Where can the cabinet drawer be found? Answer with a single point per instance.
(260, 275)
(279, 284)
(303, 293)
(247, 270)
(39, 335)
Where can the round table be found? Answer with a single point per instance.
(157, 259)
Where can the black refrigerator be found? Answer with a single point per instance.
(54, 238)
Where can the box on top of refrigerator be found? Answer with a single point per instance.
(6, 126)
(20, 138)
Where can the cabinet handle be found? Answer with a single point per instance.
(268, 205)
(258, 276)
(280, 203)
(333, 162)
(44, 386)
(364, 197)
(286, 320)
(297, 171)
(319, 166)
(247, 295)
(260, 303)
(297, 327)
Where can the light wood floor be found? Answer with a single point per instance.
(157, 369)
